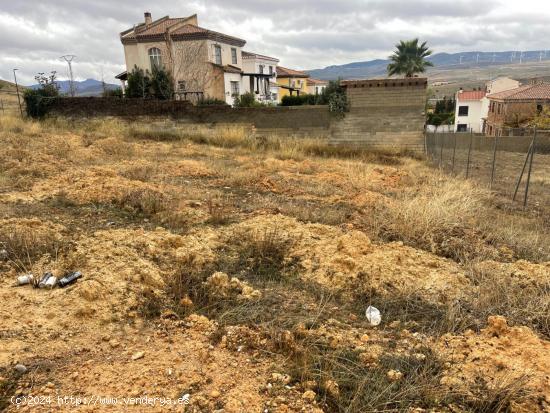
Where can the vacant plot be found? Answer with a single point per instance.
(233, 274)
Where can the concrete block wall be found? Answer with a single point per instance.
(383, 113)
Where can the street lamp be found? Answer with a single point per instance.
(17, 90)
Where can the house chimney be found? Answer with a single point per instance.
(148, 18)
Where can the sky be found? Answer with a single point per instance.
(304, 34)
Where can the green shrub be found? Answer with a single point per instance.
(298, 100)
(246, 100)
(211, 102)
(139, 83)
(38, 100)
(113, 93)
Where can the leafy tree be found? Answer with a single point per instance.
(542, 119)
(139, 84)
(162, 84)
(38, 100)
(409, 58)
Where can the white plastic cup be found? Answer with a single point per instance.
(373, 315)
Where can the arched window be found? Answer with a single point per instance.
(155, 58)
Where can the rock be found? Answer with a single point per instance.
(215, 394)
(283, 378)
(114, 343)
(20, 368)
(332, 388)
(186, 302)
(309, 395)
(394, 375)
(195, 204)
(138, 355)
(364, 338)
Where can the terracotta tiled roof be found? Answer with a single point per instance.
(312, 81)
(285, 72)
(528, 92)
(250, 55)
(231, 69)
(471, 95)
(157, 29)
(159, 26)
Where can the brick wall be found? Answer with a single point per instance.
(386, 113)
(383, 113)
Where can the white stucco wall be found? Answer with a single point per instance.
(501, 84)
(228, 78)
(477, 110)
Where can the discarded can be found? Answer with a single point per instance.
(44, 279)
(69, 279)
(51, 282)
(25, 279)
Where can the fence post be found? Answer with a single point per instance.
(494, 163)
(454, 153)
(530, 168)
(523, 169)
(469, 152)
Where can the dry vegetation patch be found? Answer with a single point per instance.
(214, 250)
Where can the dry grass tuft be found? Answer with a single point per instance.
(147, 202)
(24, 246)
(521, 302)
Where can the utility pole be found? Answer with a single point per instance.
(69, 59)
(17, 90)
(521, 58)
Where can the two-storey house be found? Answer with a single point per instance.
(259, 77)
(204, 63)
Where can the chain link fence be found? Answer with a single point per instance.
(515, 165)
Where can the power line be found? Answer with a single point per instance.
(69, 59)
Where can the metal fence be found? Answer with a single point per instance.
(516, 166)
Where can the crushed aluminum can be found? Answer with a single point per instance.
(52, 281)
(69, 279)
(44, 279)
(25, 279)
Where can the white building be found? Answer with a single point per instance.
(260, 76)
(472, 106)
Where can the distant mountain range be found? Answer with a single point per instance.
(88, 87)
(465, 60)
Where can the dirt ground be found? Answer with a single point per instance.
(225, 278)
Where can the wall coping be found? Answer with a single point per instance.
(388, 82)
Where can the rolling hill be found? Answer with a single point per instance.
(88, 87)
(488, 61)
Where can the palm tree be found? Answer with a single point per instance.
(409, 58)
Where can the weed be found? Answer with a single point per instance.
(220, 213)
(157, 134)
(264, 255)
(144, 201)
